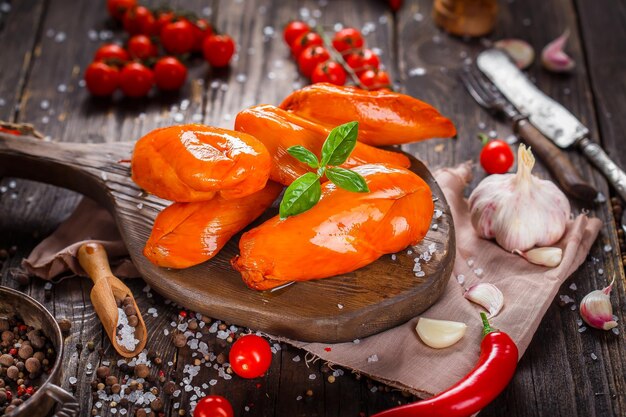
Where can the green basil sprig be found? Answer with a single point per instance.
(306, 191)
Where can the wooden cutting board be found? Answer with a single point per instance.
(381, 295)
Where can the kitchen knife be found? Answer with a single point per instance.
(550, 117)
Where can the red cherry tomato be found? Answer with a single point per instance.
(139, 21)
(177, 37)
(310, 58)
(395, 5)
(163, 19)
(117, 8)
(136, 80)
(201, 29)
(363, 60)
(250, 356)
(375, 79)
(295, 29)
(218, 50)
(304, 41)
(101, 79)
(169, 74)
(347, 39)
(111, 51)
(213, 406)
(141, 47)
(329, 72)
(496, 156)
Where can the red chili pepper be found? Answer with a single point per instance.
(495, 368)
(10, 131)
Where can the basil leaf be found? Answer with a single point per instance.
(302, 154)
(348, 180)
(339, 144)
(301, 195)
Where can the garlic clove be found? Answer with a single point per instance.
(596, 309)
(554, 58)
(440, 334)
(520, 51)
(549, 256)
(486, 295)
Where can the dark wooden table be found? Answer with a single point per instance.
(46, 44)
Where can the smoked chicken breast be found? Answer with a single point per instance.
(343, 232)
(278, 130)
(385, 117)
(186, 234)
(193, 162)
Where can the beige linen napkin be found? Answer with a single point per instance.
(397, 356)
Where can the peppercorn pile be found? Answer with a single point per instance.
(25, 356)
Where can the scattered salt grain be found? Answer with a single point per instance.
(44, 105)
(340, 306)
(582, 329)
(393, 257)
(566, 299)
(434, 227)
(2, 102)
(62, 88)
(573, 287)
(600, 271)
(608, 248)
(12, 184)
(92, 35)
(5, 7)
(312, 376)
(420, 274)
(417, 72)
(492, 134)
(615, 330)
(268, 31)
(579, 322)
(373, 358)
(478, 272)
(418, 17)
(179, 117)
(241, 78)
(299, 397)
(460, 279)
(593, 356)
(573, 307)
(139, 206)
(383, 19)
(470, 262)
(296, 358)
(60, 37)
(73, 380)
(600, 198)
(374, 389)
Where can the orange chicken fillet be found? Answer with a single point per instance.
(343, 232)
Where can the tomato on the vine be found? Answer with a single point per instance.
(139, 20)
(169, 74)
(496, 156)
(201, 29)
(375, 79)
(141, 47)
(362, 61)
(136, 80)
(117, 8)
(295, 29)
(329, 72)
(348, 39)
(213, 406)
(304, 41)
(111, 51)
(177, 37)
(218, 50)
(250, 356)
(101, 79)
(310, 58)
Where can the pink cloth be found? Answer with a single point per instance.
(397, 356)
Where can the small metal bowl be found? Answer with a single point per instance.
(34, 314)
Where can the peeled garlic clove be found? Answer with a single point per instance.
(554, 58)
(596, 309)
(486, 295)
(520, 51)
(549, 257)
(440, 333)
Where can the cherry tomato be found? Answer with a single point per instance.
(117, 8)
(213, 406)
(362, 60)
(201, 29)
(294, 30)
(169, 74)
(496, 156)
(310, 58)
(218, 50)
(136, 80)
(304, 41)
(329, 72)
(101, 79)
(139, 21)
(141, 47)
(163, 19)
(177, 37)
(375, 79)
(347, 39)
(250, 356)
(395, 4)
(111, 51)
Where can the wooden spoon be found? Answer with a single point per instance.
(106, 289)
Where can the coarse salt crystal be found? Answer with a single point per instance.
(356, 341)
(312, 376)
(373, 358)
(299, 397)
(582, 329)
(420, 274)
(573, 287)
(600, 271)
(470, 262)
(434, 227)
(393, 257)
(460, 279)
(478, 271)
(339, 306)
(615, 330)
(593, 356)
(608, 248)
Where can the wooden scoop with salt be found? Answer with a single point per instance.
(112, 300)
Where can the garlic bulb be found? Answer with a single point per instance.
(440, 334)
(519, 210)
(554, 58)
(596, 309)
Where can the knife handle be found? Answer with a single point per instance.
(603, 162)
(557, 162)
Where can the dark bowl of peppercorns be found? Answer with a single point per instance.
(31, 348)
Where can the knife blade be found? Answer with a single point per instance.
(547, 115)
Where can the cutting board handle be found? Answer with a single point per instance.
(76, 166)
